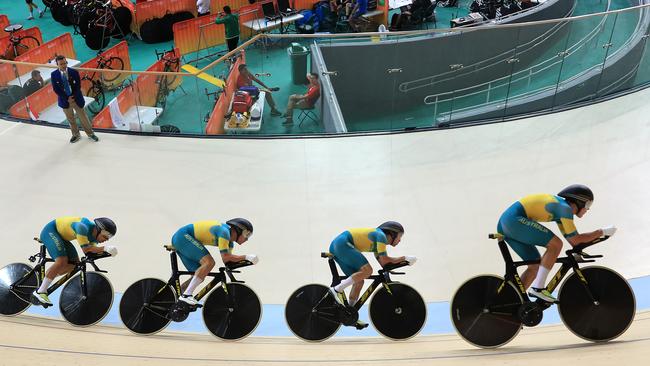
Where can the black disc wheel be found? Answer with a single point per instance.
(99, 99)
(605, 316)
(233, 313)
(97, 37)
(312, 313)
(85, 20)
(144, 307)
(484, 311)
(58, 13)
(113, 63)
(123, 17)
(398, 312)
(16, 287)
(86, 310)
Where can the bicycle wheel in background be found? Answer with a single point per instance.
(144, 307)
(312, 314)
(113, 63)
(14, 301)
(99, 101)
(232, 315)
(124, 18)
(97, 37)
(484, 311)
(608, 316)
(93, 308)
(399, 313)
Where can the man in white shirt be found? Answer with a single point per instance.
(203, 7)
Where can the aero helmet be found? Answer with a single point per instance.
(242, 226)
(107, 225)
(579, 194)
(393, 226)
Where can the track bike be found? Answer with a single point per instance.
(102, 82)
(397, 310)
(165, 82)
(18, 44)
(594, 302)
(85, 299)
(231, 312)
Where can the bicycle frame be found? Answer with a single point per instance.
(382, 277)
(218, 277)
(568, 263)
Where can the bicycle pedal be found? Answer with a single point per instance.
(361, 326)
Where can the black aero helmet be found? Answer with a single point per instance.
(242, 226)
(106, 224)
(579, 194)
(393, 226)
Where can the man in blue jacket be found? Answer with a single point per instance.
(67, 85)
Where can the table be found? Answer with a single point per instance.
(263, 25)
(469, 19)
(45, 73)
(252, 126)
(140, 118)
(372, 13)
(55, 114)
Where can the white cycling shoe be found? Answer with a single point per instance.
(543, 294)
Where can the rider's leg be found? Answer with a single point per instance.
(207, 263)
(60, 266)
(351, 261)
(553, 249)
(196, 258)
(359, 277)
(529, 275)
(64, 255)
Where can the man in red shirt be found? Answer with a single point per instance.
(304, 101)
(245, 78)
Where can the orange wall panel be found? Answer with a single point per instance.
(34, 32)
(304, 4)
(4, 21)
(158, 9)
(216, 6)
(197, 34)
(7, 73)
(61, 45)
(38, 101)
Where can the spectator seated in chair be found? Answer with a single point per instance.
(356, 18)
(304, 101)
(410, 16)
(34, 83)
(245, 78)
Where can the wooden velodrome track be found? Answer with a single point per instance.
(447, 188)
(27, 340)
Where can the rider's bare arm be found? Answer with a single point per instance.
(92, 249)
(227, 257)
(585, 237)
(384, 260)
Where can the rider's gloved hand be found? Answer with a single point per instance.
(252, 258)
(609, 230)
(411, 259)
(110, 250)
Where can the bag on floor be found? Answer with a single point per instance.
(241, 102)
(253, 91)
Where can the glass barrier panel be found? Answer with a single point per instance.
(536, 67)
(585, 55)
(625, 52)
